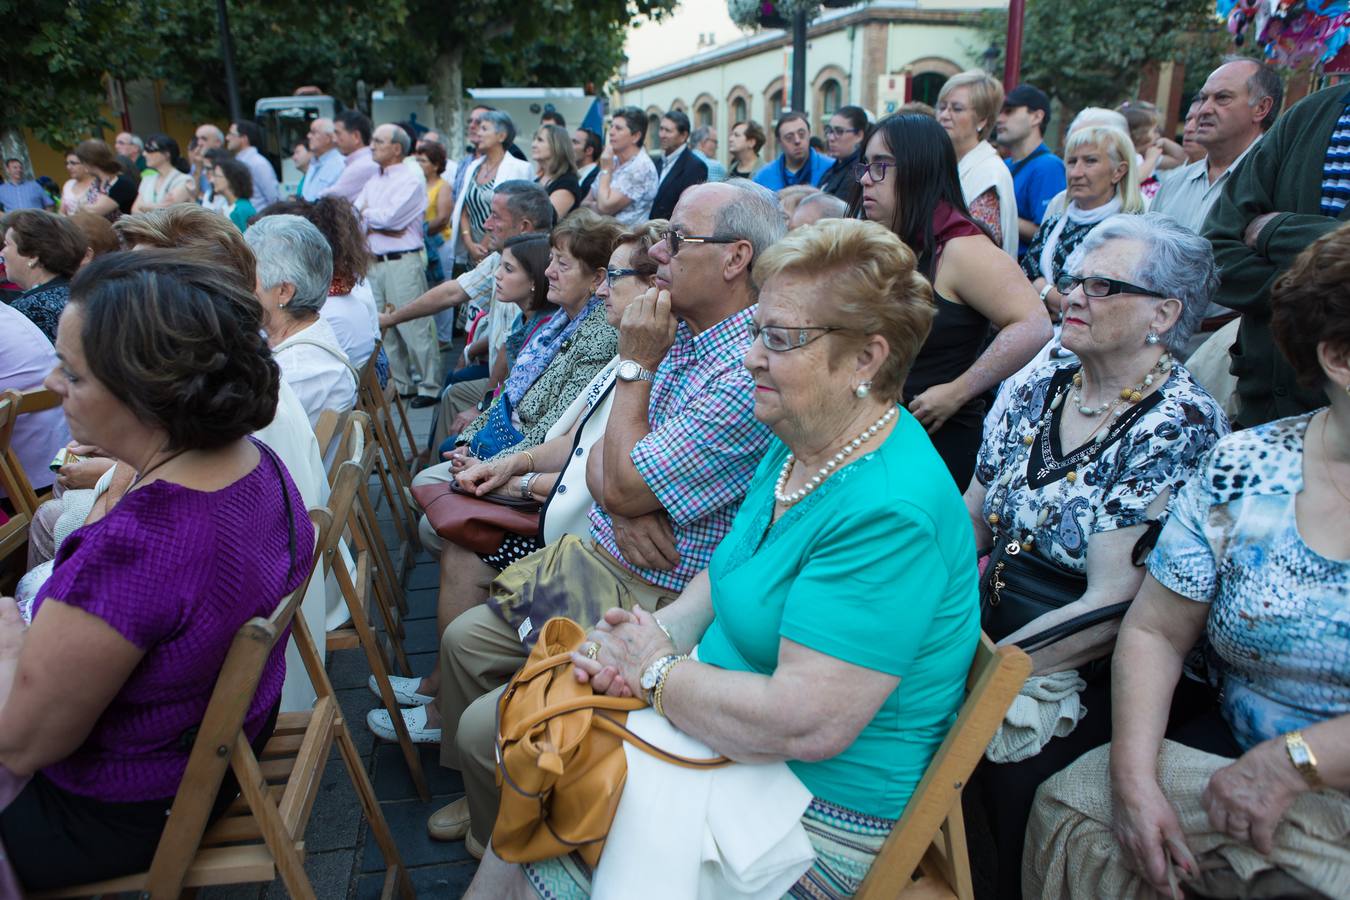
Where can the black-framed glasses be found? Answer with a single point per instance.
(782, 338)
(676, 240)
(153, 148)
(613, 275)
(877, 170)
(831, 131)
(1097, 286)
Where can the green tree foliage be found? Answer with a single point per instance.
(1093, 52)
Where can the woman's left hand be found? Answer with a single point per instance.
(936, 405)
(1247, 799)
(627, 642)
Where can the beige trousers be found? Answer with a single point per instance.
(479, 654)
(414, 352)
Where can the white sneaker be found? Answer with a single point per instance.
(382, 726)
(405, 690)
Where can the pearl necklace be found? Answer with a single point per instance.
(829, 467)
(1127, 395)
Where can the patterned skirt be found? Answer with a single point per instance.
(846, 842)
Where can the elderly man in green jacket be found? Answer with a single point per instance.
(1291, 189)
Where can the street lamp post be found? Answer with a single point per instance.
(227, 54)
(799, 60)
(1012, 62)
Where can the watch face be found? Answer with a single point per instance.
(649, 678)
(629, 370)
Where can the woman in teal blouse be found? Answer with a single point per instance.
(837, 622)
(232, 180)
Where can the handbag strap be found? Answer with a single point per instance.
(1072, 626)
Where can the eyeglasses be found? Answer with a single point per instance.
(675, 239)
(831, 131)
(613, 275)
(1096, 286)
(153, 148)
(877, 170)
(782, 338)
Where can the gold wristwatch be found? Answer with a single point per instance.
(1301, 755)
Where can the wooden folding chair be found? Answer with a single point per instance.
(349, 511)
(925, 855)
(14, 482)
(262, 834)
(394, 466)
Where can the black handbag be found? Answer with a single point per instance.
(1019, 587)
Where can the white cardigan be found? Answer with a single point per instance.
(982, 169)
(510, 169)
(568, 508)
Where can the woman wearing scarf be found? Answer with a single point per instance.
(967, 109)
(975, 284)
(1100, 166)
(563, 354)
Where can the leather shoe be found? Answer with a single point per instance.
(422, 401)
(472, 847)
(451, 823)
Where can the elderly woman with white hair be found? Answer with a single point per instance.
(1103, 180)
(295, 267)
(967, 109)
(1072, 483)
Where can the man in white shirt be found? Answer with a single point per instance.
(1238, 103)
(243, 140)
(327, 164)
(586, 145)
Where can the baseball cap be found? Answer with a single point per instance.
(1029, 96)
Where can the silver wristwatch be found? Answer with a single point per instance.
(629, 370)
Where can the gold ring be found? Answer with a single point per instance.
(593, 650)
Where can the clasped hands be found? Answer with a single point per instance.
(618, 650)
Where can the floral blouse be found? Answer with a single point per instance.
(1059, 498)
(985, 210)
(1279, 617)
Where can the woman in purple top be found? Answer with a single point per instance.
(162, 365)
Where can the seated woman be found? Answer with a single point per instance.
(103, 691)
(975, 283)
(838, 620)
(1249, 562)
(1087, 454)
(563, 355)
(295, 268)
(538, 472)
(42, 252)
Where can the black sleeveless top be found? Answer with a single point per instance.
(958, 337)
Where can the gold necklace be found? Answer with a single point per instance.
(1326, 457)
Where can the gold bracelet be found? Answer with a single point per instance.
(661, 685)
(529, 460)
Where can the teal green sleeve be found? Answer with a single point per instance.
(870, 589)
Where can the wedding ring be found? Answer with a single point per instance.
(592, 650)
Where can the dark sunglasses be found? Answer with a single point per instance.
(676, 240)
(1096, 286)
(153, 148)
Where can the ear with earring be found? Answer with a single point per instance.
(862, 390)
(1152, 339)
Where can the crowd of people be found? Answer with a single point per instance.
(798, 430)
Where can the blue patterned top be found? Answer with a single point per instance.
(1279, 618)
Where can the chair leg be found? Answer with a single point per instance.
(374, 815)
(254, 788)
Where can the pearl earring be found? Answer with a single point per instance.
(862, 390)
(1151, 339)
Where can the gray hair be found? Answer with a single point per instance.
(500, 121)
(754, 216)
(527, 200)
(291, 250)
(216, 134)
(400, 137)
(1174, 261)
(701, 134)
(831, 206)
(135, 139)
(1262, 83)
(324, 124)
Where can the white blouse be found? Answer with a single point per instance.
(315, 366)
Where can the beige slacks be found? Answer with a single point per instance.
(479, 654)
(414, 352)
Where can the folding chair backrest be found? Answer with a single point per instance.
(221, 729)
(13, 481)
(931, 832)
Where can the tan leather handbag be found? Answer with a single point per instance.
(560, 756)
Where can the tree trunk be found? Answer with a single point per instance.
(447, 98)
(13, 146)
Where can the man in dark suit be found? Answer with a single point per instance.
(679, 168)
(587, 146)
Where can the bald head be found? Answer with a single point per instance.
(815, 207)
(209, 137)
(1239, 100)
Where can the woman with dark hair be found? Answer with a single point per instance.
(102, 693)
(107, 190)
(233, 181)
(42, 253)
(170, 182)
(917, 194)
(627, 183)
(844, 137)
(743, 144)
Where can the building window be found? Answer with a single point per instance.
(775, 106)
(738, 110)
(927, 85)
(831, 98)
(703, 116)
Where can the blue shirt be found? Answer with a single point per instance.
(323, 173)
(265, 187)
(775, 175)
(24, 195)
(1036, 181)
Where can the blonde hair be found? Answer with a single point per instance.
(1116, 144)
(187, 227)
(562, 159)
(874, 285)
(986, 97)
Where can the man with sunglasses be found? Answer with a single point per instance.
(679, 449)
